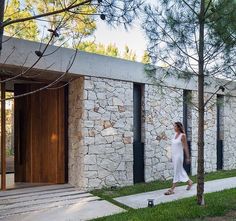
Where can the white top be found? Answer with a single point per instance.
(180, 174)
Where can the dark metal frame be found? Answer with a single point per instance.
(66, 107)
(138, 145)
(219, 142)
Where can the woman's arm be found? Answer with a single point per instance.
(185, 146)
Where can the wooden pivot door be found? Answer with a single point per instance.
(39, 133)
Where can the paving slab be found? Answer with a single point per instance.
(140, 200)
(76, 212)
(55, 202)
(66, 203)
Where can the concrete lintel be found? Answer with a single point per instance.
(89, 64)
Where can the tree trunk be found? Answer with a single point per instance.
(2, 7)
(200, 166)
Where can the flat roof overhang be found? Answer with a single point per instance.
(18, 53)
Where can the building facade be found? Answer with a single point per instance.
(120, 124)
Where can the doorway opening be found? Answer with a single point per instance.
(35, 136)
(9, 137)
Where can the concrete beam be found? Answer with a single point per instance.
(89, 64)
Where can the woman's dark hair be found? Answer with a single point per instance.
(180, 126)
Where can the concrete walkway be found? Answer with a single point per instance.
(54, 202)
(64, 202)
(140, 200)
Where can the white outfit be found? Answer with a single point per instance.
(180, 174)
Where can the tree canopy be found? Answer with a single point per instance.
(172, 29)
(109, 50)
(146, 58)
(57, 17)
(194, 39)
(74, 19)
(221, 20)
(27, 30)
(75, 24)
(129, 54)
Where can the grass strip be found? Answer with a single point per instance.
(217, 204)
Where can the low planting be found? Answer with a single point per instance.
(217, 204)
(109, 193)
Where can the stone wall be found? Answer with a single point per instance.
(210, 136)
(105, 157)
(162, 108)
(101, 132)
(229, 153)
(76, 150)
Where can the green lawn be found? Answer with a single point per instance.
(217, 204)
(108, 193)
(186, 209)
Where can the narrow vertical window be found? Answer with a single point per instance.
(220, 131)
(138, 145)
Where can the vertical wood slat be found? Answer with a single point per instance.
(43, 136)
(3, 138)
(61, 162)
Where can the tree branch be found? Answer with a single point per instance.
(47, 86)
(71, 6)
(209, 3)
(28, 69)
(176, 44)
(220, 88)
(191, 8)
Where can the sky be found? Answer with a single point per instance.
(134, 37)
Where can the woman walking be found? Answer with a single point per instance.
(179, 144)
